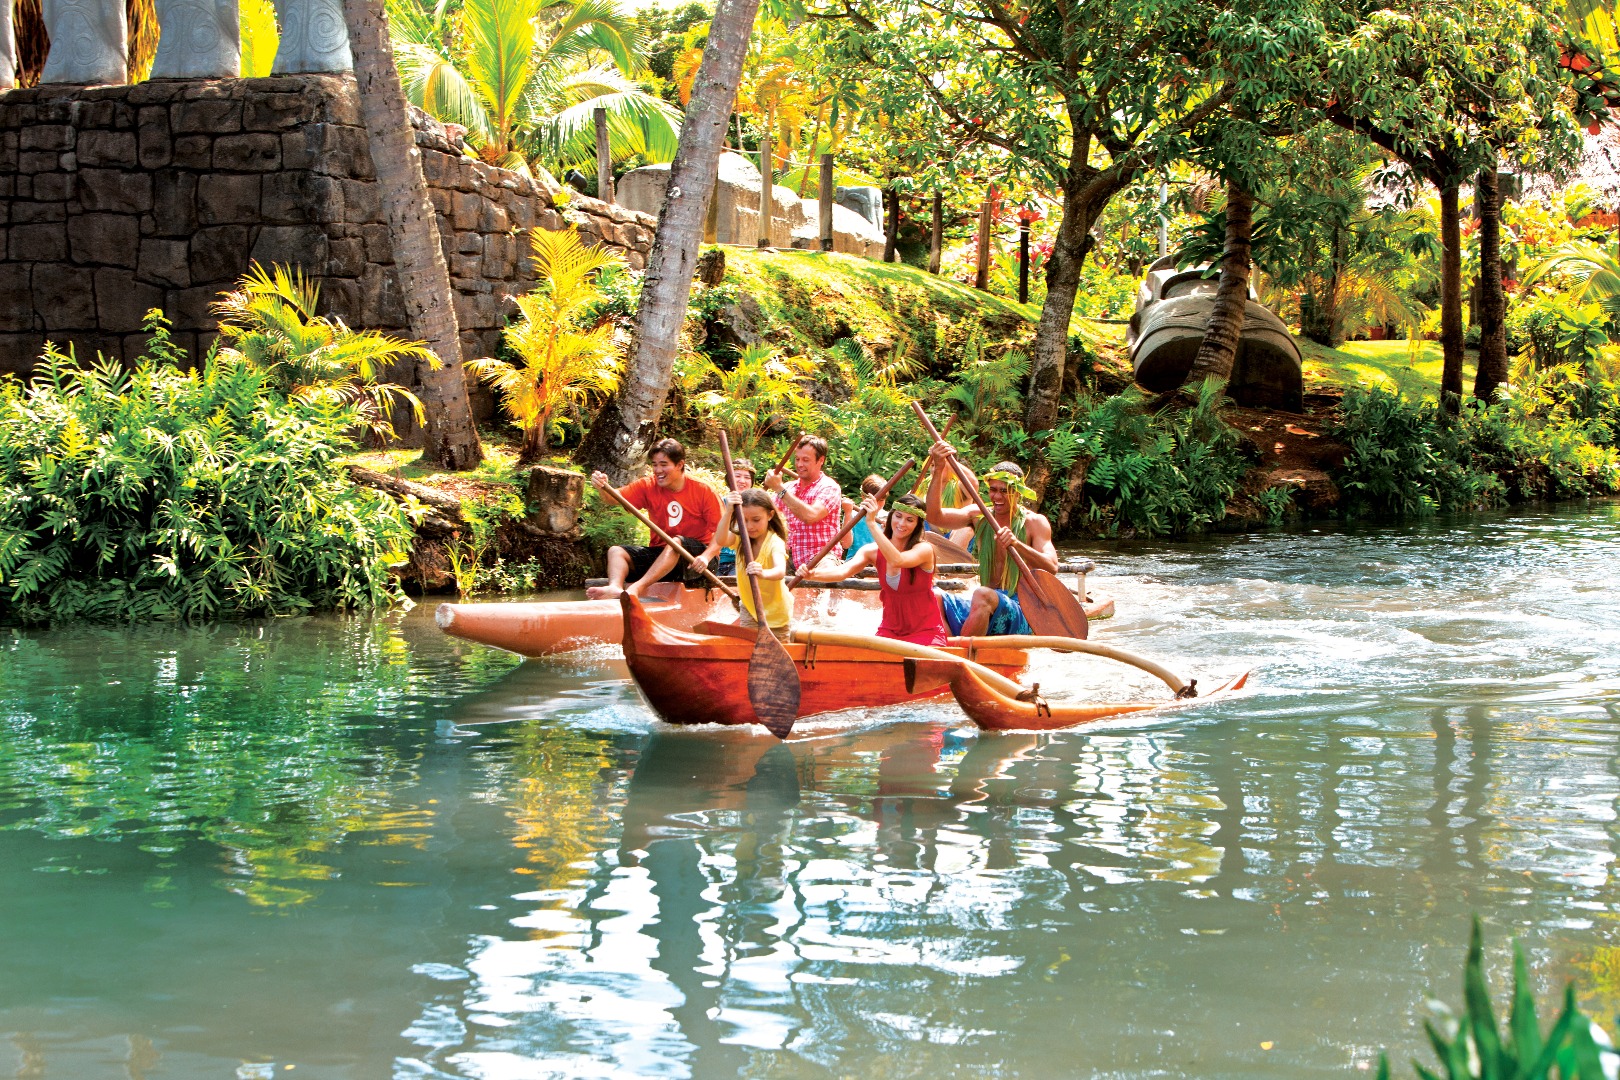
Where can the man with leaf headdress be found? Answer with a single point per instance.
(993, 607)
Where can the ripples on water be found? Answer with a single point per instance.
(357, 847)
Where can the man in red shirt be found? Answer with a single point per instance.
(685, 508)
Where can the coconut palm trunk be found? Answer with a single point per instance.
(1493, 353)
(424, 279)
(1224, 331)
(622, 429)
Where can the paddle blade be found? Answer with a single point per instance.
(952, 551)
(1051, 608)
(773, 685)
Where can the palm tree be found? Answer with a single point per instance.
(525, 76)
(413, 227)
(269, 321)
(1596, 271)
(559, 363)
(618, 437)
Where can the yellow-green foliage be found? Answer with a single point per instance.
(269, 321)
(559, 363)
(260, 37)
(818, 299)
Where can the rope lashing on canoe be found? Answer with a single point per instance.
(810, 655)
(1189, 691)
(1033, 696)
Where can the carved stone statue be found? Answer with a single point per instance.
(89, 40)
(313, 37)
(8, 48)
(198, 40)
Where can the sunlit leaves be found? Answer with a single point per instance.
(201, 493)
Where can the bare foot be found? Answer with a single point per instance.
(603, 592)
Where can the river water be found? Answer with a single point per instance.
(352, 848)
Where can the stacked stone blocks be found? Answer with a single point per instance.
(118, 199)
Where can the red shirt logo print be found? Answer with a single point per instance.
(677, 514)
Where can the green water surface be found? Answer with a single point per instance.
(354, 848)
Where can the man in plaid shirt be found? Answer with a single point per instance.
(812, 504)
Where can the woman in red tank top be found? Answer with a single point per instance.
(905, 569)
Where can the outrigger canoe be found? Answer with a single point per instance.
(994, 710)
(547, 627)
(701, 677)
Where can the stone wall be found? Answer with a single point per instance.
(118, 199)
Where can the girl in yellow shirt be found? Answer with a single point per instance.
(768, 532)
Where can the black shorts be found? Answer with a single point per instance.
(642, 558)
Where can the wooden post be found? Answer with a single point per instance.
(981, 273)
(824, 198)
(604, 158)
(936, 234)
(891, 234)
(767, 169)
(1023, 261)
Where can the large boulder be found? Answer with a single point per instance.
(735, 215)
(554, 500)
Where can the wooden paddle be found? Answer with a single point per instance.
(949, 548)
(1049, 607)
(928, 470)
(854, 520)
(773, 681)
(690, 558)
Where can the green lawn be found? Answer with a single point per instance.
(1389, 364)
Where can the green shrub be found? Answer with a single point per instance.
(1473, 1047)
(1533, 443)
(1404, 461)
(1164, 473)
(161, 493)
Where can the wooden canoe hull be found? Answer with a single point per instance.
(542, 629)
(546, 628)
(689, 678)
(995, 711)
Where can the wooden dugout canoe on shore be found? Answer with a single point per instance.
(545, 628)
(993, 710)
(702, 678)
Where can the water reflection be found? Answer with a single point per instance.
(357, 847)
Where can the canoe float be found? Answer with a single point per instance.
(993, 710)
(691, 677)
(548, 627)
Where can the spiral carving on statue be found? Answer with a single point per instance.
(198, 40)
(88, 42)
(314, 37)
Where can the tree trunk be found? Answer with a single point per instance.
(891, 235)
(1224, 331)
(1050, 349)
(1451, 324)
(1493, 356)
(424, 280)
(618, 436)
(936, 233)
